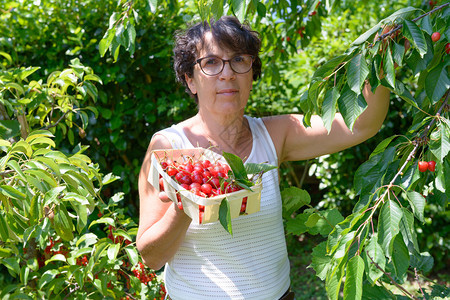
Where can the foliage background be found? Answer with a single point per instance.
(139, 95)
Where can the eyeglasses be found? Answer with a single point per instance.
(213, 65)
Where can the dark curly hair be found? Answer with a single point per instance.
(228, 32)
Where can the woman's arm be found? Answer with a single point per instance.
(162, 226)
(293, 141)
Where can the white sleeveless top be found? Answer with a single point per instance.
(250, 264)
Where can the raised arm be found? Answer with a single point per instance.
(162, 226)
(293, 141)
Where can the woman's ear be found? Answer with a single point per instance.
(190, 83)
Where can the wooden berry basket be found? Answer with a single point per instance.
(190, 201)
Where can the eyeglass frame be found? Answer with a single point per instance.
(223, 63)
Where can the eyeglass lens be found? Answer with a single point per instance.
(214, 65)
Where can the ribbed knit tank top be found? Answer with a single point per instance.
(250, 264)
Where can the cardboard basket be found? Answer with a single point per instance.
(191, 201)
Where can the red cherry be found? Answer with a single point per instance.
(206, 188)
(200, 217)
(288, 38)
(172, 171)
(180, 205)
(447, 48)
(423, 166)
(313, 13)
(435, 36)
(431, 166)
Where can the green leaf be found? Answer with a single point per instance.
(293, 199)
(440, 141)
(415, 35)
(253, 168)
(239, 8)
(326, 222)
(103, 220)
(297, 225)
(408, 231)
(417, 202)
(351, 106)
(12, 192)
(153, 4)
(366, 35)
(354, 277)
(357, 72)
(426, 25)
(329, 67)
(47, 277)
(373, 251)
(400, 256)
(236, 165)
(63, 223)
(130, 35)
(312, 220)
(225, 215)
(329, 107)
(112, 252)
(133, 255)
(217, 9)
(398, 52)
(383, 145)
(388, 67)
(9, 129)
(388, 224)
(320, 262)
(437, 82)
(4, 229)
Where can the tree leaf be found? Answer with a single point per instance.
(63, 223)
(417, 202)
(236, 165)
(440, 141)
(373, 251)
(293, 199)
(351, 106)
(437, 82)
(225, 215)
(400, 256)
(354, 277)
(297, 225)
(408, 231)
(388, 67)
(320, 262)
(153, 4)
(239, 9)
(329, 107)
(357, 72)
(388, 224)
(415, 35)
(217, 9)
(326, 222)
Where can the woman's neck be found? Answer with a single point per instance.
(226, 133)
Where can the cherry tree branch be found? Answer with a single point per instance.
(405, 292)
(381, 37)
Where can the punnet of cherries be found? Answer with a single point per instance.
(209, 178)
(203, 178)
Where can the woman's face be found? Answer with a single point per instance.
(226, 92)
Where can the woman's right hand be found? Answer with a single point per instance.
(162, 226)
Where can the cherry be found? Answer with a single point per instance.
(313, 13)
(447, 48)
(435, 36)
(423, 166)
(431, 166)
(206, 188)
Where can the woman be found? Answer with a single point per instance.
(217, 63)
